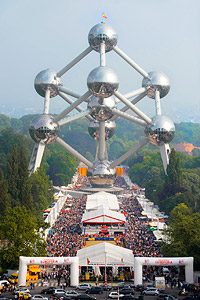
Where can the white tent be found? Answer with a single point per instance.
(113, 255)
(102, 198)
(103, 215)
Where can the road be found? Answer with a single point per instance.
(103, 296)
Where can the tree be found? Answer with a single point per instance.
(13, 176)
(24, 184)
(174, 173)
(183, 234)
(4, 196)
(21, 236)
(41, 190)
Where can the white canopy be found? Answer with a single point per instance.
(97, 254)
(103, 215)
(102, 198)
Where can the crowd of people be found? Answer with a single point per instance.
(66, 237)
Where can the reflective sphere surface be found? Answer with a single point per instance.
(100, 108)
(102, 82)
(45, 79)
(102, 176)
(44, 129)
(162, 131)
(93, 129)
(158, 81)
(102, 33)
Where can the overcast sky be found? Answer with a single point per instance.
(159, 35)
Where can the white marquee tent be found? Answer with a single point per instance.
(98, 254)
(102, 198)
(103, 215)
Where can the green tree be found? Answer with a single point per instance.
(13, 176)
(174, 172)
(183, 234)
(22, 237)
(41, 190)
(4, 196)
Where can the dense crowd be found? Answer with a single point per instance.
(65, 238)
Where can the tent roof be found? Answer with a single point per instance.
(96, 255)
(103, 215)
(102, 198)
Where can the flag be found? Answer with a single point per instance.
(104, 16)
(88, 261)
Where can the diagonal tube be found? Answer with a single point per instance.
(72, 106)
(75, 117)
(74, 152)
(133, 108)
(131, 62)
(129, 117)
(128, 154)
(74, 61)
(68, 92)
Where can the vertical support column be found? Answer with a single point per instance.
(189, 270)
(137, 271)
(22, 271)
(46, 101)
(157, 102)
(74, 272)
(102, 54)
(101, 154)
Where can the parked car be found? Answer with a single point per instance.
(48, 291)
(127, 291)
(86, 297)
(23, 295)
(38, 297)
(106, 288)
(83, 286)
(115, 295)
(21, 290)
(151, 291)
(140, 288)
(59, 292)
(72, 294)
(95, 290)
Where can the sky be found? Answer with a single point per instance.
(159, 35)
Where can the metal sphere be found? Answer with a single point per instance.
(43, 129)
(102, 33)
(158, 81)
(47, 79)
(101, 108)
(93, 129)
(102, 175)
(162, 131)
(102, 82)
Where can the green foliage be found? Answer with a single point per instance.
(5, 202)
(20, 232)
(41, 191)
(183, 234)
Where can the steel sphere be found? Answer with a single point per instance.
(93, 129)
(101, 108)
(102, 175)
(47, 79)
(43, 129)
(162, 131)
(102, 82)
(102, 33)
(158, 81)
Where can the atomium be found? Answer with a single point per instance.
(102, 33)
(157, 81)
(101, 108)
(162, 131)
(102, 97)
(102, 82)
(43, 129)
(93, 128)
(47, 79)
